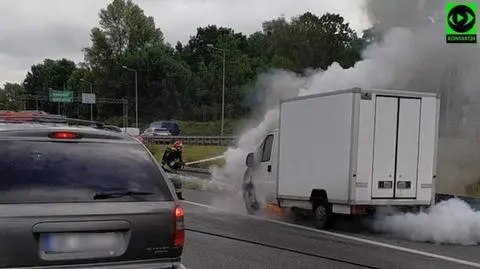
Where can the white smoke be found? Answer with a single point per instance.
(235, 157)
(276, 85)
(448, 222)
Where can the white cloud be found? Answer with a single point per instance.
(33, 30)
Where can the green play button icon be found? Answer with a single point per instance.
(459, 18)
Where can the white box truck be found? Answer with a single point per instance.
(348, 152)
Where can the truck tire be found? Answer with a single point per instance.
(251, 203)
(321, 214)
(249, 197)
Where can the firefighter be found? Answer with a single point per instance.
(172, 160)
(172, 157)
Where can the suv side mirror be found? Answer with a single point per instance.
(250, 159)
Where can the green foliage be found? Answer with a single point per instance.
(212, 128)
(117, 121)
(185, 82)
(51, 74)
(9, 97)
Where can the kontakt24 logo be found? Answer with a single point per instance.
(461, 22)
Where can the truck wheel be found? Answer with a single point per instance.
(249, 197)
(251, 203)
(321, 214)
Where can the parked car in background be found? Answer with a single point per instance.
(171, 126)
(149, 132)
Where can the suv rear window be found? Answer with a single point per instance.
(40, 171)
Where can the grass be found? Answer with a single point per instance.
(473, 189)
(194, 153)
(213, 128)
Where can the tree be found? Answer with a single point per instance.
(372, 35)
(204, 53)
(124, 29)
(167, 84)
(309, 41)
(197, 49)
(46, 76)
(49, 74)
(10, 97)
(124, 36)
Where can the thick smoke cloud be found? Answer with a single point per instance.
(448, 222)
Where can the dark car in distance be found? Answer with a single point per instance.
(84, 197)
(171, 126)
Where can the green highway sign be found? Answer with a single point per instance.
(461, 22)
(61, 96)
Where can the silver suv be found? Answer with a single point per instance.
(84, 197)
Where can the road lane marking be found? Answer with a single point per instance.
(348, 237)
(258, 243)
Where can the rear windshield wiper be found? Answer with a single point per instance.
(118, 194)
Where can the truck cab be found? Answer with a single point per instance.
(259, 181)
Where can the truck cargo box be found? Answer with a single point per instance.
(361, 146)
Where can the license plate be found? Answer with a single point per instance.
(78, 242)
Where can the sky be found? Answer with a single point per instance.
(33, 30)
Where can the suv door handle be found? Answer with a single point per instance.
(269, 168)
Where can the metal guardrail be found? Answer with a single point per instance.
(471, 201)
(192, 140)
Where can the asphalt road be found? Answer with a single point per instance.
(222, 236)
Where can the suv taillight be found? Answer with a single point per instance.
(179, 226)
(64, 135)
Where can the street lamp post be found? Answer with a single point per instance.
(223, 85)
(136, 93)
(91, 91)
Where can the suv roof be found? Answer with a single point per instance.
(106, 133)
(39, 120)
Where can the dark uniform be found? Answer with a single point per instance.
(173, 158)
(171, 161)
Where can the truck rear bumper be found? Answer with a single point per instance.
(390, 209)
(390, 202)
(150, 264)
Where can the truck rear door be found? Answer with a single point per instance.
(396, 143)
